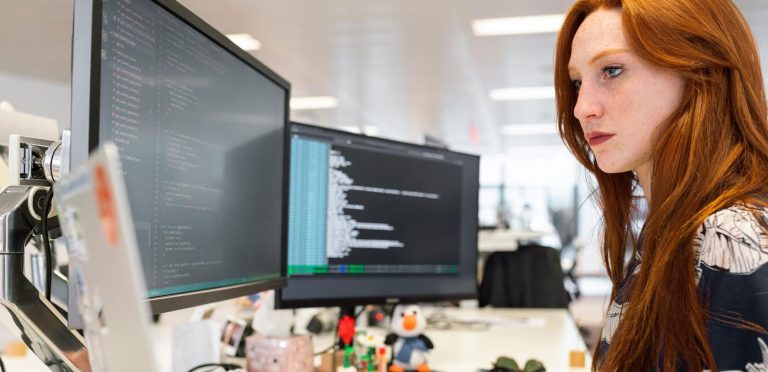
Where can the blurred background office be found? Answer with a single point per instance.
(474, 75)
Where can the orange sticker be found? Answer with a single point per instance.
(106, 204)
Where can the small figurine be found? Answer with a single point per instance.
(366, 345)
(409, 345)
(382, 361)
(346, 335)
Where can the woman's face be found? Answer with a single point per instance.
(622, 99)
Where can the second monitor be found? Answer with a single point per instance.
(375, 221)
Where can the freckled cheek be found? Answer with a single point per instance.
(623, 106)
(631, 114)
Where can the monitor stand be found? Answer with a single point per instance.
(24, 310)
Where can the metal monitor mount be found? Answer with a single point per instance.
(23, 309)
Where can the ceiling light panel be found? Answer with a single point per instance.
(518, 25)
(522, 93)
(313, 103)
(245, 41)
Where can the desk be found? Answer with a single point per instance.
(504, 240)
(545, 334)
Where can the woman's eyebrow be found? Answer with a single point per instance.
(598, 55)
(607, 52)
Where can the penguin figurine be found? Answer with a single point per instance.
(409, 345)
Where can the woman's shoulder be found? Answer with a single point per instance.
(732, 275)
(734, 239)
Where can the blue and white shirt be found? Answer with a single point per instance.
(732, 278)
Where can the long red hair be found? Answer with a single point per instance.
(710, 154)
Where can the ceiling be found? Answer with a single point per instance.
(406, 67)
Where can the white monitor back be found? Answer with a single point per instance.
(96, 221)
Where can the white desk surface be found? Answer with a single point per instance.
(504, 240)
(545, 334)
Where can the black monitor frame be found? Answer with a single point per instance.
(346, 302)
(86, 83)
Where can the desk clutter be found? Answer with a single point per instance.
(267, 354)
(455, 339)
(465, 339)
(507, 364)
(404, 348)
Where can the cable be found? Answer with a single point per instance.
(329, 348)
(226, 366)
(440, 320)
(47, 244)
(362, 310)
(2, 365)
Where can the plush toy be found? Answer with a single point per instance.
(409, 345)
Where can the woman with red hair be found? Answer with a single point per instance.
(665, 98)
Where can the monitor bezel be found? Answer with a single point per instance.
(86, 68)
(281, 303)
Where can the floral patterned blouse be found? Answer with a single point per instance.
(732, 275)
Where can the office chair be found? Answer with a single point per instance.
(530, 277)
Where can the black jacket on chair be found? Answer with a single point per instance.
(531, 276)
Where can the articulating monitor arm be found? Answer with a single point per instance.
(23, 309)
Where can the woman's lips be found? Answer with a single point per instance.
(599, 138)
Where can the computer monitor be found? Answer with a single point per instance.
(200, 125)
(374, 221)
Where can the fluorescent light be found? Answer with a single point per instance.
(309, 103)
(350, 128)
(518, 25)
(371, 130)
(510, 94)
(528, 129)
(245, 41)
(368, 130)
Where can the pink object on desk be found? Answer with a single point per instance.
(279, 354)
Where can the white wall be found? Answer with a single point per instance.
(34, 96)
(38, 97)
(530, 166)
(3, 174)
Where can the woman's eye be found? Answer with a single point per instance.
(612, 71)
